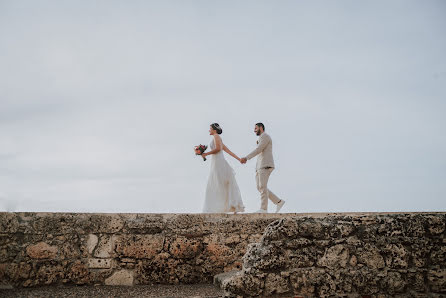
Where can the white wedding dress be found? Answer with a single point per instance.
(222, 191)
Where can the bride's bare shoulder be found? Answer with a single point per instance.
(218, 139)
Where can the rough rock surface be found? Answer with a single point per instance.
(286, 254)
(377, 255)
(38, 249)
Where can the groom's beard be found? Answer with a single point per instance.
(258, 133)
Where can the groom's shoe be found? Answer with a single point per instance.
(261, 211)
(280, 205)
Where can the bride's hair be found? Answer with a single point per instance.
(217, 127)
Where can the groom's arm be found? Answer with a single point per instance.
(263, 142)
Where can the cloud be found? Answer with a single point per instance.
(101, 105)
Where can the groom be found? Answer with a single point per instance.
(264, 167)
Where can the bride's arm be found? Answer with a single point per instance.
(230, 153)
(218, 147)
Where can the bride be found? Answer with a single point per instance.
(222, 191)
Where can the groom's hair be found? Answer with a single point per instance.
(261, 125)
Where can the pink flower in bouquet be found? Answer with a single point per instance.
(199, 150)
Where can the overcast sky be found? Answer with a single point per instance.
(101, 103)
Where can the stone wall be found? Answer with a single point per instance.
(123, 249)
(346, 255)
(286, 254)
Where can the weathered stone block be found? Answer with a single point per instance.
(104, 248)
(102, 223)
(92, 241)
(42, 250)
(312, 229)
(217, 253)
(335, 257)
(398, 256)
(51, 223)
(78, 273)
(139, 246)
(340, 229)
(184, 248)
(161, 269)
(48, 273)
(120, 278)
(15, 272)
(371, 256)
(263, 257)
(145, 225)
(99, 263)
(247, 286)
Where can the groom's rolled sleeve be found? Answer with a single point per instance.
(263, 142)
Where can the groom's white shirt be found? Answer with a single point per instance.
(265, 151)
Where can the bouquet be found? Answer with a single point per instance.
(199, 150)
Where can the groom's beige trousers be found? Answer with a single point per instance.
(262, 177)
